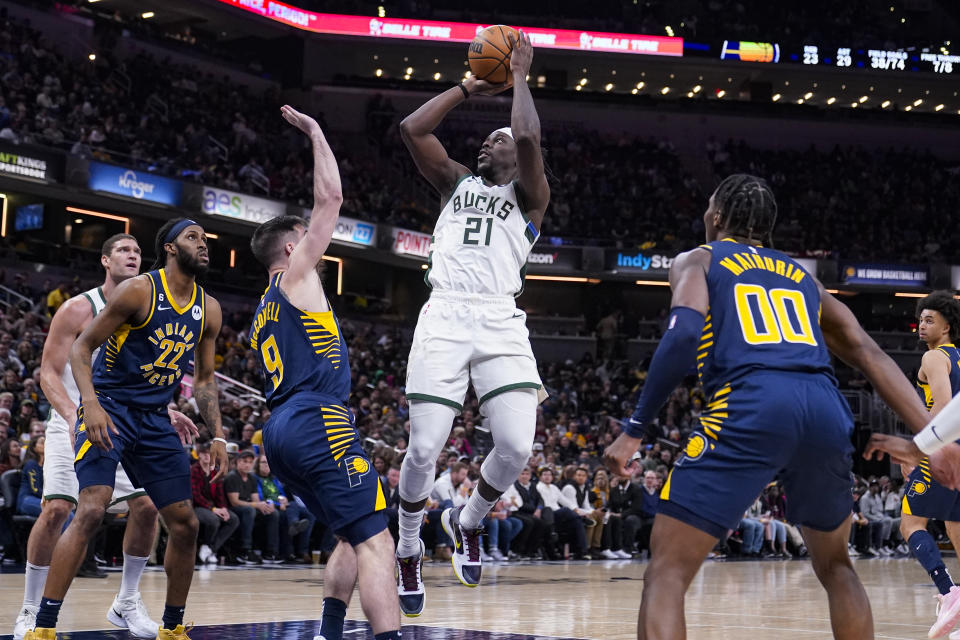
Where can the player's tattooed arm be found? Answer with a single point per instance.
(525, 126)
(205, 390)
(130, 303)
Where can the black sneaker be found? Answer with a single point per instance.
(270, 558)
(466, 553)
(298, 527)
(249, 557)
(410, 584)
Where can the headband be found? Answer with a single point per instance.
(176, 229)
(505, 130)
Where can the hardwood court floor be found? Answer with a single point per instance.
(728, 600)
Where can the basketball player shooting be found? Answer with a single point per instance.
(470, 328)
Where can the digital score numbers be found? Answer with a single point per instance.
(880, 59)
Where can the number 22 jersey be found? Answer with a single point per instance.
(764, 315)
(299, 351)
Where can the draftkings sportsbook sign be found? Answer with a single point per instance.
(24, 161)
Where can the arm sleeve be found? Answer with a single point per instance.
(943, 429)
(672, 361)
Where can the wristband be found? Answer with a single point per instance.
(223, 440)
(466, 94)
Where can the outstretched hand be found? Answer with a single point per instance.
(300, 120)
(901, 450)
(475, 86)
(522, 55)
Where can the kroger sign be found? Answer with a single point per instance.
(134, 184)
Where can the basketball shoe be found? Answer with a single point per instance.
(948, 612)
(410, 583)
(41, 634)
(466, 553)
(26, 619)
(180, 633)
(131, 614)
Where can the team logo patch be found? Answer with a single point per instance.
(197, 312)
(696, 447)
(918, 488)
(357, 467)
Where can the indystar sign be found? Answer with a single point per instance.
(644, 262)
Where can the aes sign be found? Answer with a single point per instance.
(242, 206)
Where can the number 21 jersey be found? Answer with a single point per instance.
(764, 315)
(481, 240)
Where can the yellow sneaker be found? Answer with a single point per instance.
(41, 634)
(180, 633)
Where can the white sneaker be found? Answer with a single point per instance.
(623, 555)
(485, 557)
(609, 555)
(948, 612)
(467, 558)
(955, 635)
(887, 551)
(497, 555)
(26, 621)
(205, 553)
(131, 614)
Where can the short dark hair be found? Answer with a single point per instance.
(946, 305)
(161, 260)
(110, 242)
(746, 206)
(457, 466)
(266, 241)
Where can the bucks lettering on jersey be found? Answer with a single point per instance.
(923, 388)
(141, 366)
(764, 314)
(481, 240)
(299, 351)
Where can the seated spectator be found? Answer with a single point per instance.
(30, 498)
(501, 529)
(638, 524)
(9, 455)
(243, 493)
(559, 512)
(881, 525)
(391, 494)
(525, 502)
(623, 493)
(217, 522)
(579, 492)
(296, 522)
(611, 537)
(752, 532)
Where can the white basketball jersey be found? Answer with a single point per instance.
(97, 303)
(481, 241)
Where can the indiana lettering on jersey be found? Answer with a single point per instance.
(269, 313)
(174, 340)
(481, 202)
(742, 261)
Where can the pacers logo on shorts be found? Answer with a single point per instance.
(357, 467)
(918, 488)
(696, 447)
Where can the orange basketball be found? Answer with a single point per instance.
(489, 53)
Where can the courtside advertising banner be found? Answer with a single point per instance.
(411, 243)
(554, 260)
(134, 184)
(242, 206)
(25, 161)
(638, 262)
(436, 31)
(355, 232)
(892, 275)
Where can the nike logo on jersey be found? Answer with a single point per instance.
(518, 315)
(163, 308)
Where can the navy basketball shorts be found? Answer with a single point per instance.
(926, 498)
(314, 449)
(769, 424)
(147, 446)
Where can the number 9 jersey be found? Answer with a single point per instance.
(300, 351)
(764, 314)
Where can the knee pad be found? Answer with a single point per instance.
(512, 418)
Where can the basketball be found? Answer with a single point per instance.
(489, 53)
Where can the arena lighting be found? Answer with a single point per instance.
(211, 236)
(697, 88)
(100, 214)
(904, 294)
(864, 99)
(146, 15)
(339, 262)
(776, 97)
(3, 220)
(909, 107)
(918, 102)
(442, 31)
(378, 72)
(608, 86)
(233, 258)
(652, 283)
(436, 76)
(831, 100)
(409, 71)
(564, 279)
(634, 91)
(665, 90)
(885, 104)
(578, 87)
(583, 81)
(92, 57)
(808, 95)
(641, 85)
(406, 76)
(939, 107)
(721, 93)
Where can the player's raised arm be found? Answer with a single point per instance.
(427, 151)
(525, 126)
(674, 357)
(205, 386)
(848, 341)
(327, 199)
(56, 349)
(130, 301)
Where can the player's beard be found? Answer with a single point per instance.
(190, 264)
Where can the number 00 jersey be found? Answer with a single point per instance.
(141, 366)
(764, 314)
(481, 240)
(299, 351)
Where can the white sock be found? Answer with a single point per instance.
(409, 525)
(133, 567)
(36, 578)
(475, 510)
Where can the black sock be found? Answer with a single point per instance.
(172, 616)
(388, 635)
(48, 613)
(331, 618)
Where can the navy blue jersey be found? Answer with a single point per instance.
(141, 366)
(924, 387)
(298, 350)
(764, 314)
